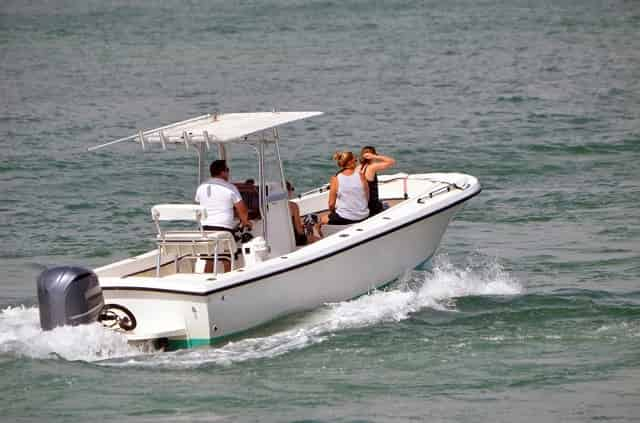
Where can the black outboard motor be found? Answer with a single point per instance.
(68, 295)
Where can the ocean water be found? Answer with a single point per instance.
(530, 311)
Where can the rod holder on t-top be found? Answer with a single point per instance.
(143, 134)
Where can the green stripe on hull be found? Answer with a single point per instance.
(179, 344)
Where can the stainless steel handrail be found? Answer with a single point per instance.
(441, 190)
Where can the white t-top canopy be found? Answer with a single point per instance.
(215, 128)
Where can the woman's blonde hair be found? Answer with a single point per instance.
(343, 158)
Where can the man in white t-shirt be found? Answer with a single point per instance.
(220, 198)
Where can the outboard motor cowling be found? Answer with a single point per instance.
(68, 295)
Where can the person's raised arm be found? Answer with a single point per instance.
(377, 163)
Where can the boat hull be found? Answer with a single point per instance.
(187, 319)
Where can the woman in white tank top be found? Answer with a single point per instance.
(348, 193)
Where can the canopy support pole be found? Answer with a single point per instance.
(262, 191)
(283, 181)
(203, 173)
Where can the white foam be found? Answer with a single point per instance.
(20, 334)
(484, 278)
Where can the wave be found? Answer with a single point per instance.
(21, 335)
(437, 288)
(590, 148)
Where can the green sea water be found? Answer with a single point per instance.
(530, 310)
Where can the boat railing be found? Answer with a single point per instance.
(384, 179)
(446, 187)
(319, 190)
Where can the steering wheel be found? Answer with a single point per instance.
(242, 234)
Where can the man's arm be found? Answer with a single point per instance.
(243, 213)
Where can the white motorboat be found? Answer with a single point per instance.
(165, 297)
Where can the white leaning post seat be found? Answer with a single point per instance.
(194, 243)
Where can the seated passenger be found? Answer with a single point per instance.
(303, 235)
(220, 198)
(348, 193)
(251, 197)
(370, 164)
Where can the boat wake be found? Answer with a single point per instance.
(437, 288)
(21, 335)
